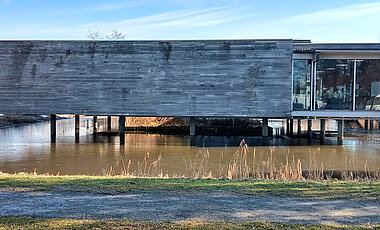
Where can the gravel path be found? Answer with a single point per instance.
(215, 206)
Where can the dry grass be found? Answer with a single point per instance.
(247, 163)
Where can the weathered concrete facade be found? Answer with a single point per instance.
(236, 78)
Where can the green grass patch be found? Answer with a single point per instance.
(367, 190)
(26, 223)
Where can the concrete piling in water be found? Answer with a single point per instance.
(77, 125)
(265, 129)
(287, 127)
(366, 124)
(122, 129)
(371, 125)
(95, 123)
(299, 127)
(340, 132)
(291, 124)
(192, 126)
(109, 123)
(309, 130)
(53, 128)
(323, 131)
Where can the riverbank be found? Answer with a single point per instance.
(204, 126)
(16, 120)
(37, 223)
(357, 190)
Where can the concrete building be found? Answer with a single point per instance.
(282, 79)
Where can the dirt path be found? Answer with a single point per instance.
(215, 206)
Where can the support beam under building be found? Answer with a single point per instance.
(95, 123)
(291, 124)
(371, 125)
(299, 127)
(366, 124)
(77, 125)
(109, 123)
(192, 126)
(287, 127)
(309, 130)
(340, 132)
(122, 129)
(265, 129)
(53, 128)
(323, 131)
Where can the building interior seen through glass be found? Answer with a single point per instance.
(334, 84)
(301, 84)
(367, 85)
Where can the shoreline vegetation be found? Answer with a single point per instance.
(248, 163)
(326, 189)
(37, 223)
(19, 120)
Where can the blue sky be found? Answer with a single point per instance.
(320, 21)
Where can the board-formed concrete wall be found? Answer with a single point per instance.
(218, 78)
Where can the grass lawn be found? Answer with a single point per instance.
(36, 223)
(367, 190)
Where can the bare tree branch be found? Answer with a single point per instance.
(96, 35)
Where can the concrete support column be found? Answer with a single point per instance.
(77, 125)
(371, 125)
(291, 127)
(340, 132)
(53, 128)
(192, 126)
(366, 124)
(309, 130)
(95, 123)
(122, 129)
(287, 127)
(299, 127)
(265, 129)
(109, 123)
(323, 131)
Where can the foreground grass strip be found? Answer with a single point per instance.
(36, 223)
(99, 184)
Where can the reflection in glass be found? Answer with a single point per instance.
(334, 84)
(301, 84)
(368, 85)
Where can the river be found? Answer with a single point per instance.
(28, 148)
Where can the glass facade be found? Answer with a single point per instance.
(334, 84)
(367, 95)
(301, 84)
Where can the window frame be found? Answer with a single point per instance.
(322, 55)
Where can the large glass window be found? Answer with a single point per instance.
(334, 84)
(368, 85)
(301, 84)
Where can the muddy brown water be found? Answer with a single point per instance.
(25, 148)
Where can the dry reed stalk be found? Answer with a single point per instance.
(124, 170)
(264, 166)
(155, 166)
(220, 166)
(238, 165)
(254, 164)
